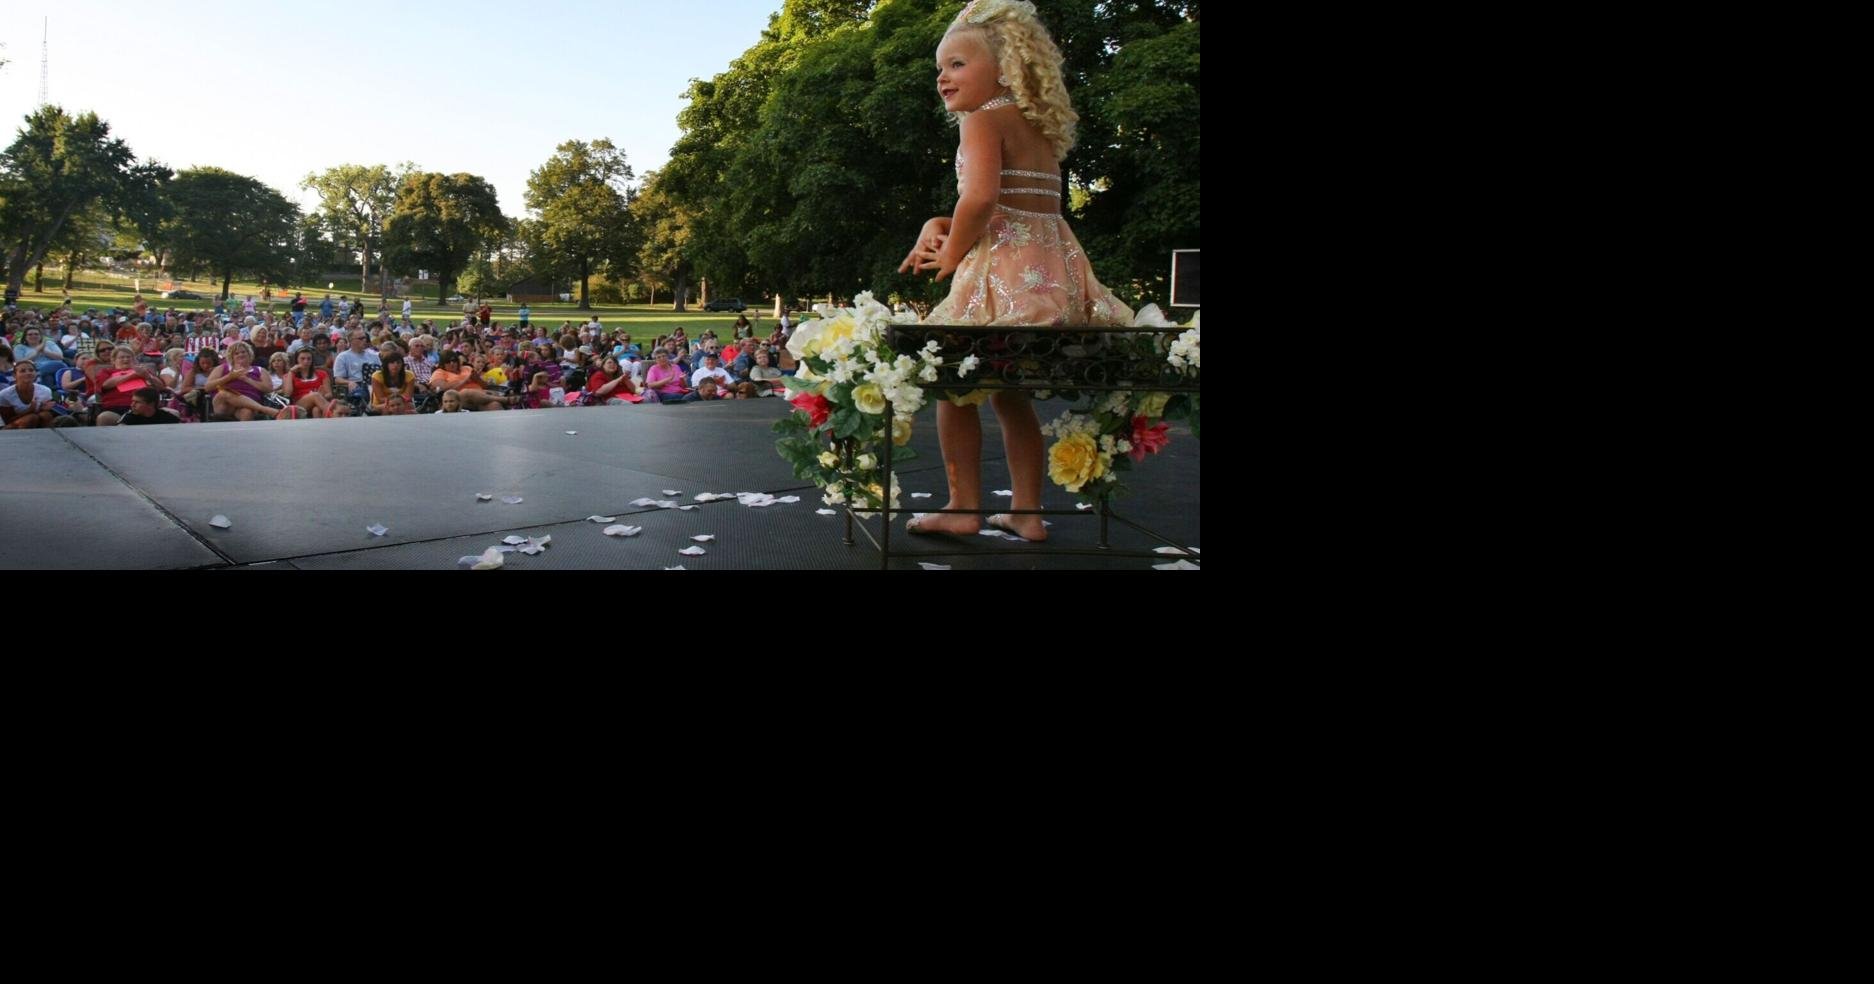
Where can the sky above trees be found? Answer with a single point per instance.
(277, 91)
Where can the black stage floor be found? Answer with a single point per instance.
(300, 495)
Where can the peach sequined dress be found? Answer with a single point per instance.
(1027, 269)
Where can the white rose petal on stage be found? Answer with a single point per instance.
(827, 512)
(623, 530)
(377, 529)
(1005, 493)
(536, 545)
(1182, 565)
(920, 495)
(692, 551)
(484, 497)
(1083, 506)
(601, 519)
(221, 522)
(676, 568)
(688, 508)
(704, 537)
(490, 559)
(927, 565)
(515, 541)
(673, 491)
(512, 500)
(789, 499)
(1171, 552)
(571, 433)
(644, 502)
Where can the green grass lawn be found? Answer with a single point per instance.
(657, 319)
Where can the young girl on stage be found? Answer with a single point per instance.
(1016, 262)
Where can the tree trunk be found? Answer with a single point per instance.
(227, 277)
(680, 288)
(162, 260)
(39, 277)
(585, 275)
(653, 296)
(71, 263)
(25, 254)
(16, 269)
(442, 291)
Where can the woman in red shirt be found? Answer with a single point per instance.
(308, 388)
(611, 384)
(123, 378)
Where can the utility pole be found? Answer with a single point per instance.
(45, 47)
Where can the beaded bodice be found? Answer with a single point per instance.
(998, 103)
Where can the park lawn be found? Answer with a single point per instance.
(659, 318)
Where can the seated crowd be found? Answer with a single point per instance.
(60, 369)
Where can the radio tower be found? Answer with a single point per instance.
(44, 68)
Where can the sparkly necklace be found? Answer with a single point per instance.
(1005, 99)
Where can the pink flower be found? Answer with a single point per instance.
(1147, 438)
(816, 406)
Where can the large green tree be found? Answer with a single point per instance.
(356, 200)
(663, 256)
(582, 198)
(439, 222)
(56, 168)
(232, 223)
(807, 165)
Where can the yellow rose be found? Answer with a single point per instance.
(869, 398)
(900, 431)
(974, 398)
(1074, 461)
(829, 460)
(836, 331)
(1153, 406)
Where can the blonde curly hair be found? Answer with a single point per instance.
(1025, 55)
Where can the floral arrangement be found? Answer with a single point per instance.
(1112, 432)
(848, 374)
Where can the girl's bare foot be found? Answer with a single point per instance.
(962, 524)
(1027, 526)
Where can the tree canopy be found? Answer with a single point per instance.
(58, 167)
(807, 166)
(439, 222)
(582, 200)
(234, 224)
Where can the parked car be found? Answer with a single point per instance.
(726, 304)
(183, 295)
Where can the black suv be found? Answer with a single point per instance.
(726, 304)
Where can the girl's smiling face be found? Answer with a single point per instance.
(966, 71)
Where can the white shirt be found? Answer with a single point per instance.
(11, 397)
(720, 374)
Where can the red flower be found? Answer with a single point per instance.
(816, 406)
(1147, 438)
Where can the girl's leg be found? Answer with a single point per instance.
(960, 434)
(313, 404)
(1021, 442)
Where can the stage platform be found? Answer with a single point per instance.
(300, 495)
